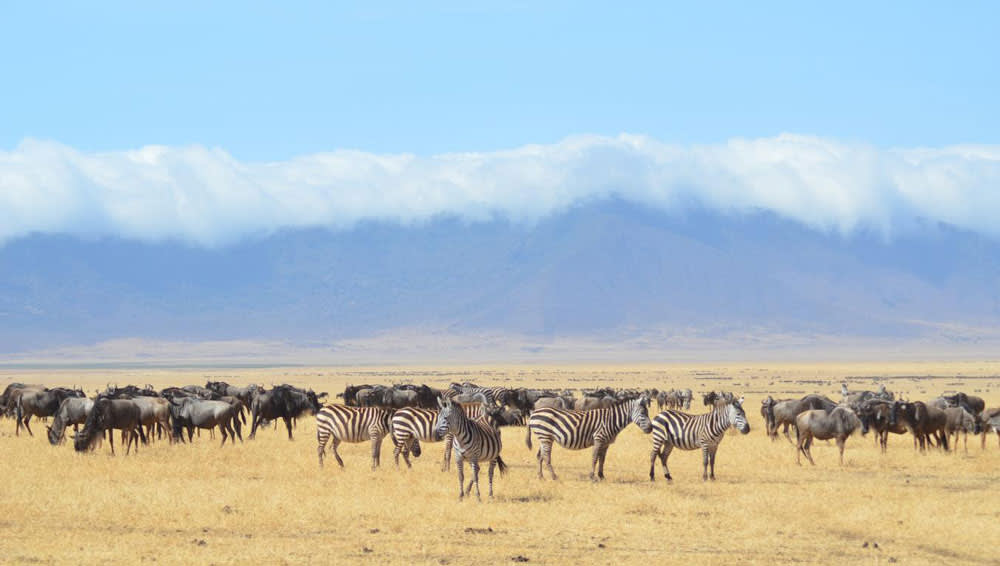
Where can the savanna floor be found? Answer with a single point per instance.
(267, 502)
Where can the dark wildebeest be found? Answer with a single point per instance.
(244, 394)
(284, 402)
(192, 413)
(40, 404)
(971, 403)
(591, 403)
(8, 400)
(783, 413)
(839, 423)
(876, 414)
(924, 422)
(960, 421)
(107, 415)
(989, 420)
(72, 411)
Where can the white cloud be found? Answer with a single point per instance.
(205, 196)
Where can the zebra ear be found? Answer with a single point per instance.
(440, 402)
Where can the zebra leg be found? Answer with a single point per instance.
(376, 450)
(600, 463)
(460, 464)
(333, 448)
(711, 454)
(493, 464)
(663, 458)
(320, 449)
(547, 453)
(474, 464)
(397, 449)
(704, 463)
(653, 455)
(446, 463)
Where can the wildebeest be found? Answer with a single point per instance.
(284, 402)
(244, 394)
(989, 420)
(8, 399)
(876, 414)
(107, 415)
(552, 403)
(783, 413)
(192, 413)
(839, 423)
(41, 404)
(72, 411)
(591, 403)
(960, 421)
(924, 422)
(971, 403)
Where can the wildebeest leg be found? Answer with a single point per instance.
(808, 450)
(841, 441)
(883, 439)
(288, 425)
(27, 419)
(111, 440)
(238, 427)
(335, 442)
(787, 435)
(222, 429)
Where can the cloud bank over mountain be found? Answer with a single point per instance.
(206, 197)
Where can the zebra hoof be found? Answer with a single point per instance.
(669, 477)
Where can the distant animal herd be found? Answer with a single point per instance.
(468, 418)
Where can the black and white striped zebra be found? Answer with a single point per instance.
(674, 429)
(577, 430)
(495, 394)
(411, 426)
(475, 441)
(351, 424)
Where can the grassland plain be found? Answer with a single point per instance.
(267, 501)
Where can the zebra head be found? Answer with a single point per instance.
(640, 413)
(738, 418)
(442, 426)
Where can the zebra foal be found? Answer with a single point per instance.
(475, 441)
(351, 424)
(674, 429)
(577, 430)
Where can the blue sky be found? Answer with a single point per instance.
(208, 122)
(267, 83)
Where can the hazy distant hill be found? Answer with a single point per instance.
(606, 270)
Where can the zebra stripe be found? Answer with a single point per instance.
(577, 430)
(411, 426)
(674, 429)
(475, 441)
(351, 424)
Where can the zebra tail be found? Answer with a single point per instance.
(527, 439)
(501, 465)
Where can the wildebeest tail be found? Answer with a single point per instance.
(501, 465)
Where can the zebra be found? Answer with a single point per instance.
(674, 429)
(351, 424)
(411, 426)
(475, 440)
(577, 430)
(494, 394)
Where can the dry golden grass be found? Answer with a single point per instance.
(266, 501)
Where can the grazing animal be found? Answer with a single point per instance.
(475, 441)
(8, 399)
(674, 429)
(155, 415)
(960, 421)
(284, 402)
(191, 413)
(591, 403)
(839, 424)
(40, 404)
(783, 413)
(576, 430)
(109, 414)
(989, 419)
(971, 403)
(351, 424)
(72, 411)
(876, 415)
(923, 421)
(552, 403)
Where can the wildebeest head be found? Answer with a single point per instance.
(710, 398)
